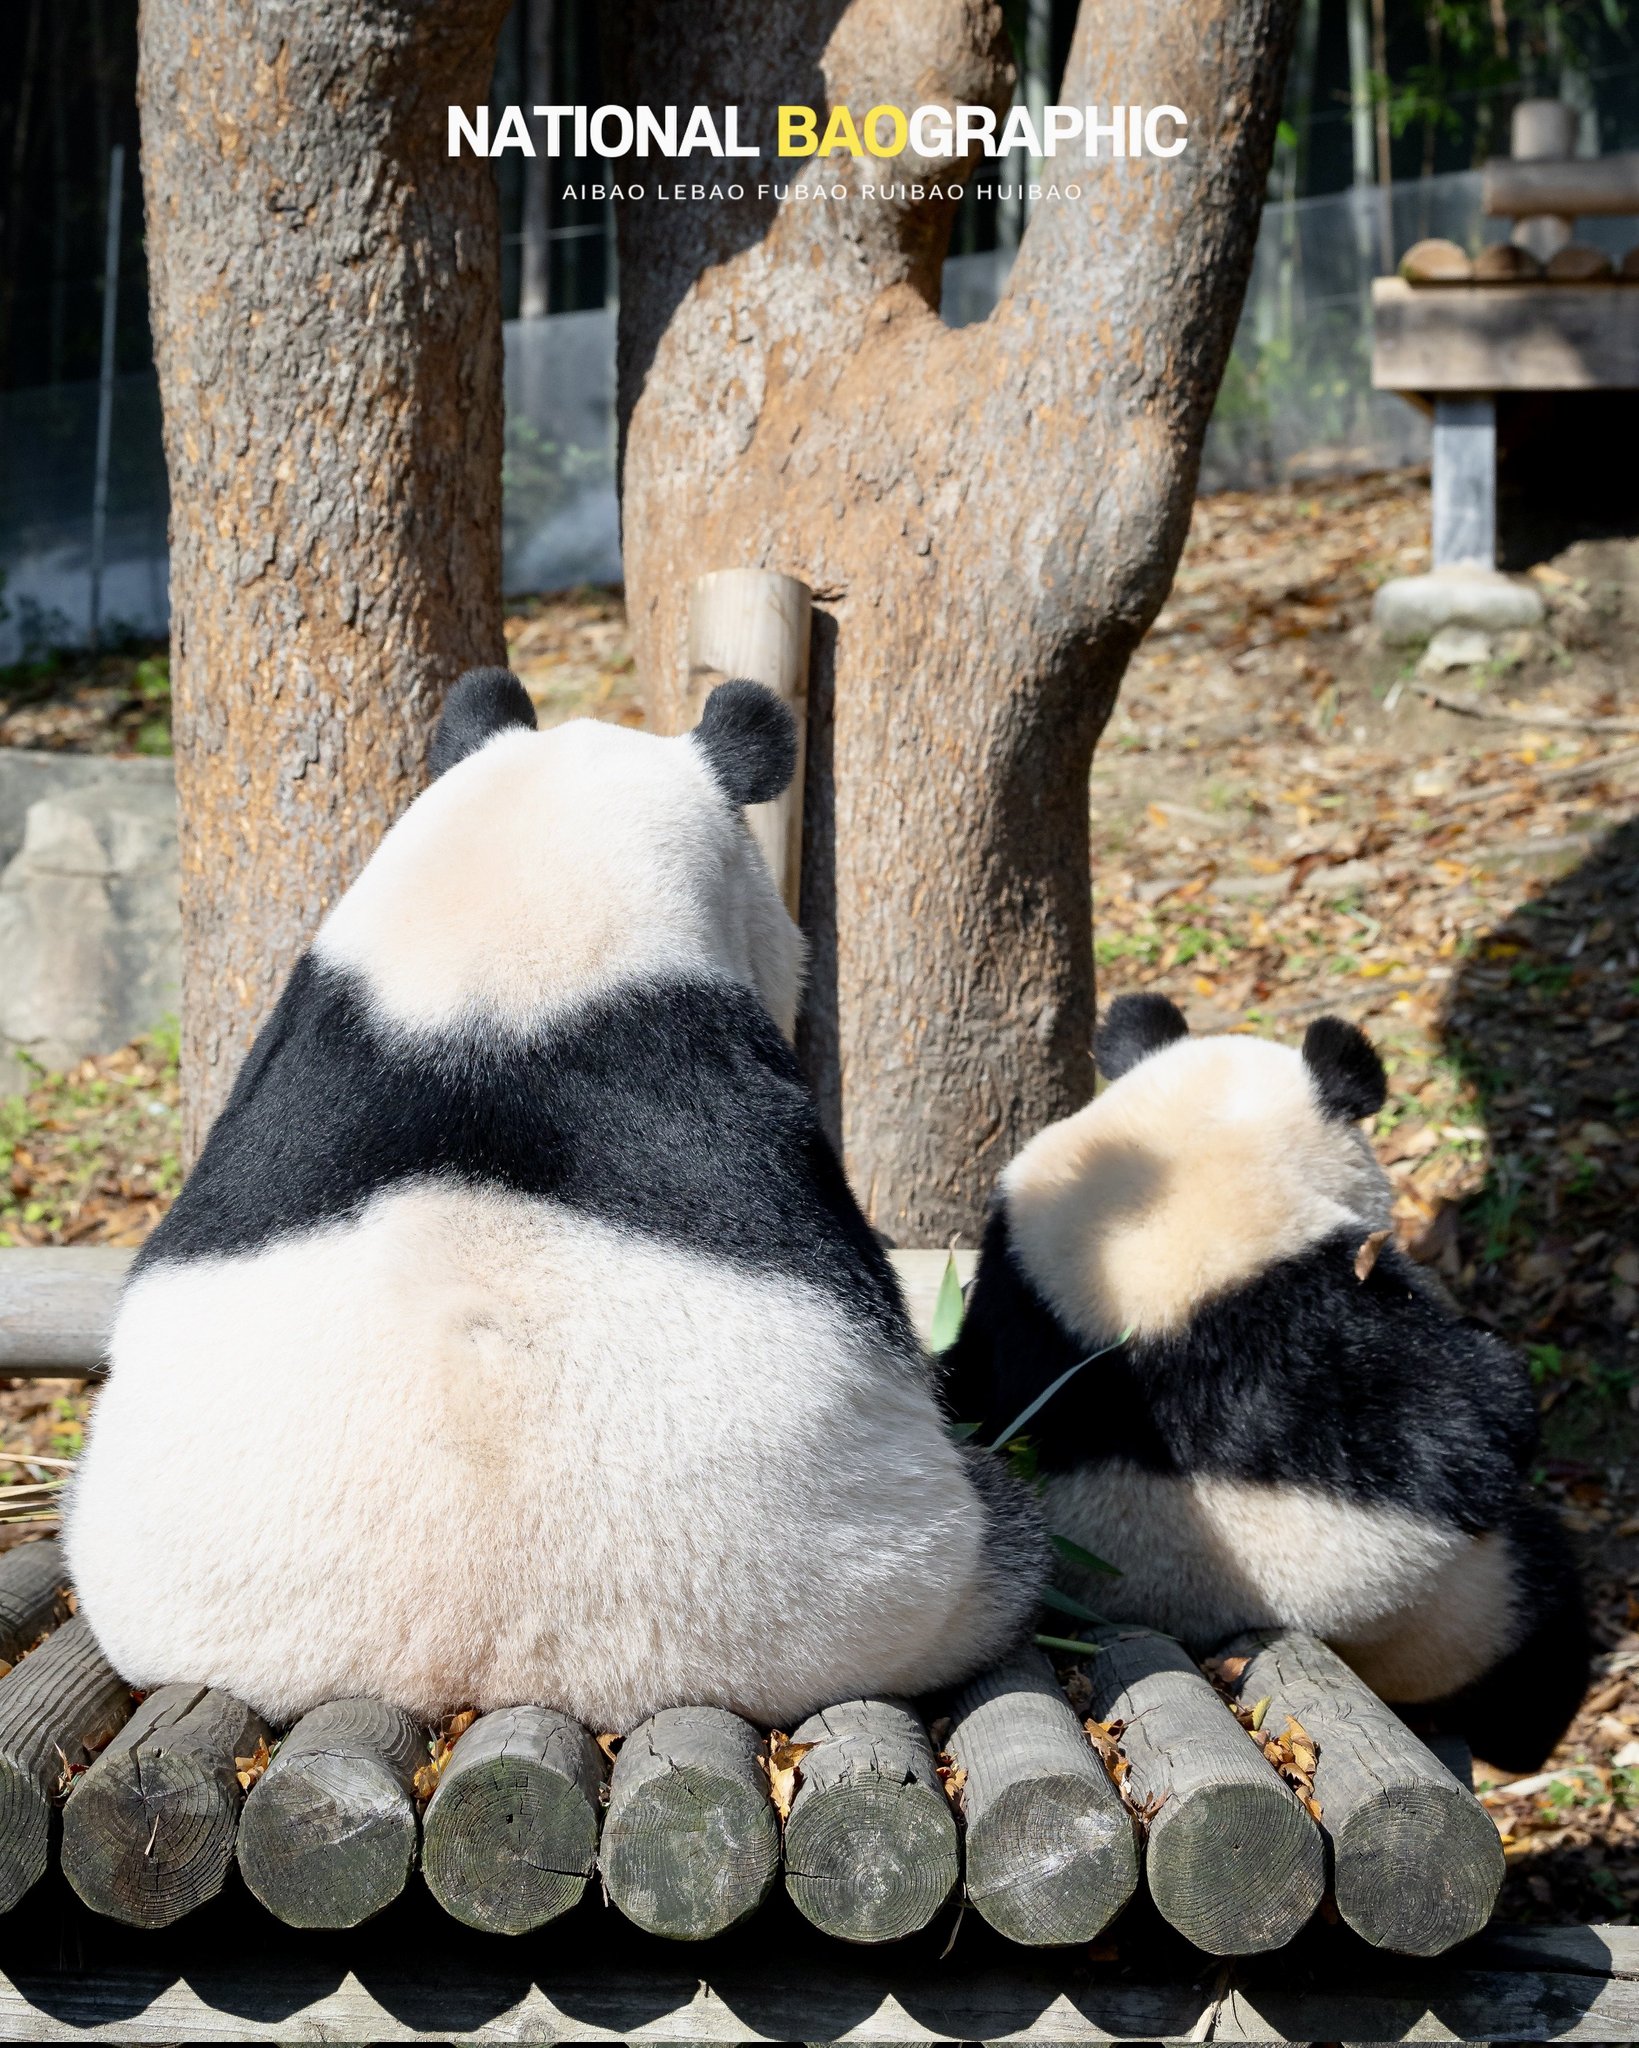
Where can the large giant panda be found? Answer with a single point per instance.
(1297, 1431)
(516, 1336)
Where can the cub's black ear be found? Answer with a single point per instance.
(1345, 1069)
(750, 740)
(1133, 1028)
(484, 702)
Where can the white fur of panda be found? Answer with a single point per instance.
(1284, 1440)
(516, 1337)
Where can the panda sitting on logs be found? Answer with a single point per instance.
(516, 1336)
(1297, 1431)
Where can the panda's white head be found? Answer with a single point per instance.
(542, 870)
(1203, 1164)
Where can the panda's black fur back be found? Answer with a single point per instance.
(673, 1110)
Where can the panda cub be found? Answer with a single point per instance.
(516, 1336)
(1298, 1431)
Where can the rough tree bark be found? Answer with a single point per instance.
(989, 517)
(327, 327)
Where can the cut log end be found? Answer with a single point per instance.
(1436, 262)
(328, 1835)
(871, 1847)
(148, 1833)
(691, 1844)
(510, 1837)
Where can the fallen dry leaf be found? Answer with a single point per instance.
(781, 1764)
(439, 1749)
(1366, 1257)
(247, 1769)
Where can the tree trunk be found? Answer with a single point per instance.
(989, 518)
(327, 329)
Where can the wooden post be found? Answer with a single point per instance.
(1052, 1849)
(511, 1834)
(870, 1845)
(328, 1836)
(148, 1832)
(755, 623)
(1233, 1861)
(57, 1305)
(691, 1844)
(33, 1596)
(1465, 482)
(57, 1709)
(1416, 1862)
(1543, 131)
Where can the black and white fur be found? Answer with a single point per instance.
(516, 1336)
(1280, 1441)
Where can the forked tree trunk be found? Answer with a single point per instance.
(327, 328)
(989, 518)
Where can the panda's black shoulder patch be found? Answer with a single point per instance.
(1345, 1068)
(480, 704)
(1133, 1028)
(674, 1110)
(750, 739)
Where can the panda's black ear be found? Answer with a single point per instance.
(1345, 1069)
(484, 702)
(749, 738)
(1133, 1028)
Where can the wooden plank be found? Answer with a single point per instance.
(33, 1596)
(691, 1842)
(1516, 187)
(148, 1832)
(328, 1835)
(871, 1850)
(511, 1834)
(57, 1306)
(756, 623)
(1416, 1860)
(1051, 1848)
(1504, 337)
(57, 1709)
(1233, 1860)
(57, 1302)
(613, 1984)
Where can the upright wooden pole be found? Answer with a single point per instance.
(755, 623)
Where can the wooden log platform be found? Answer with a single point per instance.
(691, 1842)
(148, 1831)
(1416, 1861)
(328, 1836)
(511, 1834)
(57, 1710)
(1484, 337)
(1052, 1850)
(871, 1848)
(1233, 1861)
(33, 1596)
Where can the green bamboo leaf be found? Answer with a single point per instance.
(1085, 1558)
(1071, 1644)
(959, 1432)
(947, 1311)
(1065, 1603)
(1063, 1380)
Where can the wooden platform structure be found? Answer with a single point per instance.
(1532, 315)
(998, 1863)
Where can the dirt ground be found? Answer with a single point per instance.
(1285, 822)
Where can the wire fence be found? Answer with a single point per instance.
(1296, 401)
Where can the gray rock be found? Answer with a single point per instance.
(1409, 609)
(90, 931)
(1454, 647)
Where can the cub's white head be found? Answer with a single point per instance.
(540, 871)
(1206, 1162)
